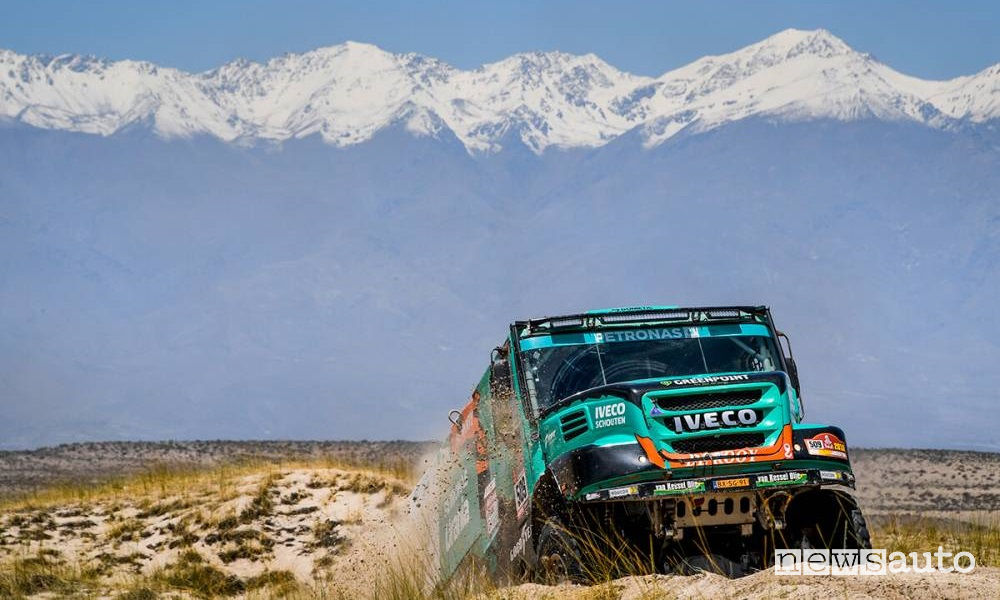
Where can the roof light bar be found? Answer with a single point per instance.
(560, 323)
(729, 313)
(673, 315)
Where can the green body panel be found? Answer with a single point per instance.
(462, 526)
(775, 406)
(495, 506)
(632, 422)
(521, 448)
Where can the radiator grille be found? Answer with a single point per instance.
(709, 400)
(721, 442)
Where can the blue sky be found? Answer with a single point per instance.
(928, 39)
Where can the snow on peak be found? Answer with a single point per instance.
(348, 92)
(795, 42)
(975, 98)
(793, 75)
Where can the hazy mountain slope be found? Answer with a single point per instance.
(196, 289)
(347, 93)
(329, 244)
(877, 246)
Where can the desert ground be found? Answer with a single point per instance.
(95, 462)
(333, 520)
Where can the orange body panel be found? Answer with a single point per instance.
(780, 450)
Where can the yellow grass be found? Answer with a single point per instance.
(43, 573)
(162, 481)
(169, 490)
(979, 535)
(406, 575)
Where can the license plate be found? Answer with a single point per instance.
(732, 483)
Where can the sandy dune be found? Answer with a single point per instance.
(312, 523)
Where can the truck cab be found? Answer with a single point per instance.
(676, 433)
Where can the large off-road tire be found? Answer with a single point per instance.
(559, 556)
(859, 529)
(822, 520)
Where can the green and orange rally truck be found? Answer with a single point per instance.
(673, 436)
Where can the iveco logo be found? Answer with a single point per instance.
(713, 420)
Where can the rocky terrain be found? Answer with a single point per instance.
(926, 481)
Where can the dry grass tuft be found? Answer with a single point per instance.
(911, 533)
(129, 530)
(169, 487)
(411, 576)
(192, 574)
(42, 574)
(372, 483)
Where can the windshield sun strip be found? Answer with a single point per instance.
(623, 335)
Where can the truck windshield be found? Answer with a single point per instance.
(560, 365)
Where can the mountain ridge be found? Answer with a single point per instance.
(172, 289)
(347, 92)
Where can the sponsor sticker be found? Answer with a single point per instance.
(550, 437)
(491, 508)
(521, 495)
(776, 479)
(722, 457)
(832, 475)
(737, 482)
(592, 496)
(706, 380)
(641, 335)
(624, 309)
(459, 510)
(609, 415)
(678, 487)
(826, 444)
(621, 492)
(457, 523)
(522, 542)
(744, 417)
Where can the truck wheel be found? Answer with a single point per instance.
(859, 528)
(825, 519)
(559, 555)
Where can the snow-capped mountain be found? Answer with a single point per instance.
(346, 93)
(976, 98)
(167, 274)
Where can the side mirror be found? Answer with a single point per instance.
(455, 417)
(793, 371)
(499, 371)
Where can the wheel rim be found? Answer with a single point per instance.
(556, 569)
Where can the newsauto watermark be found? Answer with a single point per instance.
(870, 562)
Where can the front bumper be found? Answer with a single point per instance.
(812, 450)
(723, 483)
(583, 467)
